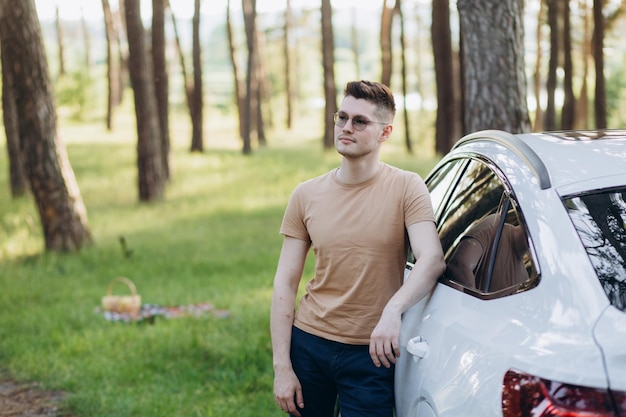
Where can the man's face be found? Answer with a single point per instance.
(353, 143)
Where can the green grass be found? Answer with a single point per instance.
(214, 238)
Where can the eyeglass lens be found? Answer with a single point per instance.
(359, 123)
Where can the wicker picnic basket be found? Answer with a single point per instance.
(122, 303)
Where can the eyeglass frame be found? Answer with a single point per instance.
(361, 121)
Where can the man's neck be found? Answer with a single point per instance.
(357, 171)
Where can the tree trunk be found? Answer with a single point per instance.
(582, 108)
(397, 11)
(86, 40)
(262, 92)
(161, 80)
(17, 174)
(553, 21)
(328, 63)
(568, 114)
(197, 107)
(598, 55)
(187, 88)
(60, 205)
(289, 95)
(446, 126)
(354, 42)
(493, 63)
(386, 19)
(60, 43)
(538, 123)
(252, 96)
(237, 78)
(149, 159)
(113, 76)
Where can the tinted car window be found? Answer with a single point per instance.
(600, 220)
(477, 194)
(440, 182)
(483, 238)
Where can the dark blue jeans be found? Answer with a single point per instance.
(329, 370)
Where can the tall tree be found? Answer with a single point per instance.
(447, 113)
(354, 41)
(50, 175)
(197, 99)
(328, 64)
(113, 77)
(555, 53)
(538, 122)
(17, 174)
(386, 53)
(251, 100)
(397, 11)
(568, 114)
(237, 77)
(60, 42)
(161, 80)
(289, 93)
(492, 34)
(86, 40)
(149, 160)
(598, 55)
(187, 87)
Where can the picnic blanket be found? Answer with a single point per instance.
(149, 312)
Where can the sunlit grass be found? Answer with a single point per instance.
(213, 238)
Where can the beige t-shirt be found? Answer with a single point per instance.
(358, 235)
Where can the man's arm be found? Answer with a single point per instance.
(429, 266)
(287, 389)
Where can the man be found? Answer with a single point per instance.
(344, 340)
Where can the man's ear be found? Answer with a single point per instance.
(386, 133)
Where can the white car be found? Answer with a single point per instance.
(531, 327)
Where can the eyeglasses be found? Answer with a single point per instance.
(358, 122)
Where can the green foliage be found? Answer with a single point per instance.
(616, 95)
(74, 91)
(214, 238)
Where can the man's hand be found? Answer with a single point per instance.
(385, 340)
(288, 391)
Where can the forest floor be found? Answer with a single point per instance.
(28, 400)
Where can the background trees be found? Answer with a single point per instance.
(255, 62)
(51, 178)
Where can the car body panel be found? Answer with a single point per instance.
(610, 334)
(563, 330)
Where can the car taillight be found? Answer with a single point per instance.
(526, 395)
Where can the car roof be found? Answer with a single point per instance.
(569, 161)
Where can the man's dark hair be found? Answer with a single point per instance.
(374, 92)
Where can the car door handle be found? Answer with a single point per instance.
(418, 347)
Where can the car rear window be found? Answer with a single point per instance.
(600, 220)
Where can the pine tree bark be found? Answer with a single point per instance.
(197, 103)
(598, 55)
(17, 174)
(161, 82)
(328, 63)
(59, 203)
(149, 159)
(446, 125)
(568, 113)
(555, 52)
(250, 109)
(386, 64)
(113, 77)
(493, 63)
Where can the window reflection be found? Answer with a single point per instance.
(600, 220)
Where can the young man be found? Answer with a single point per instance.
(343, 341)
